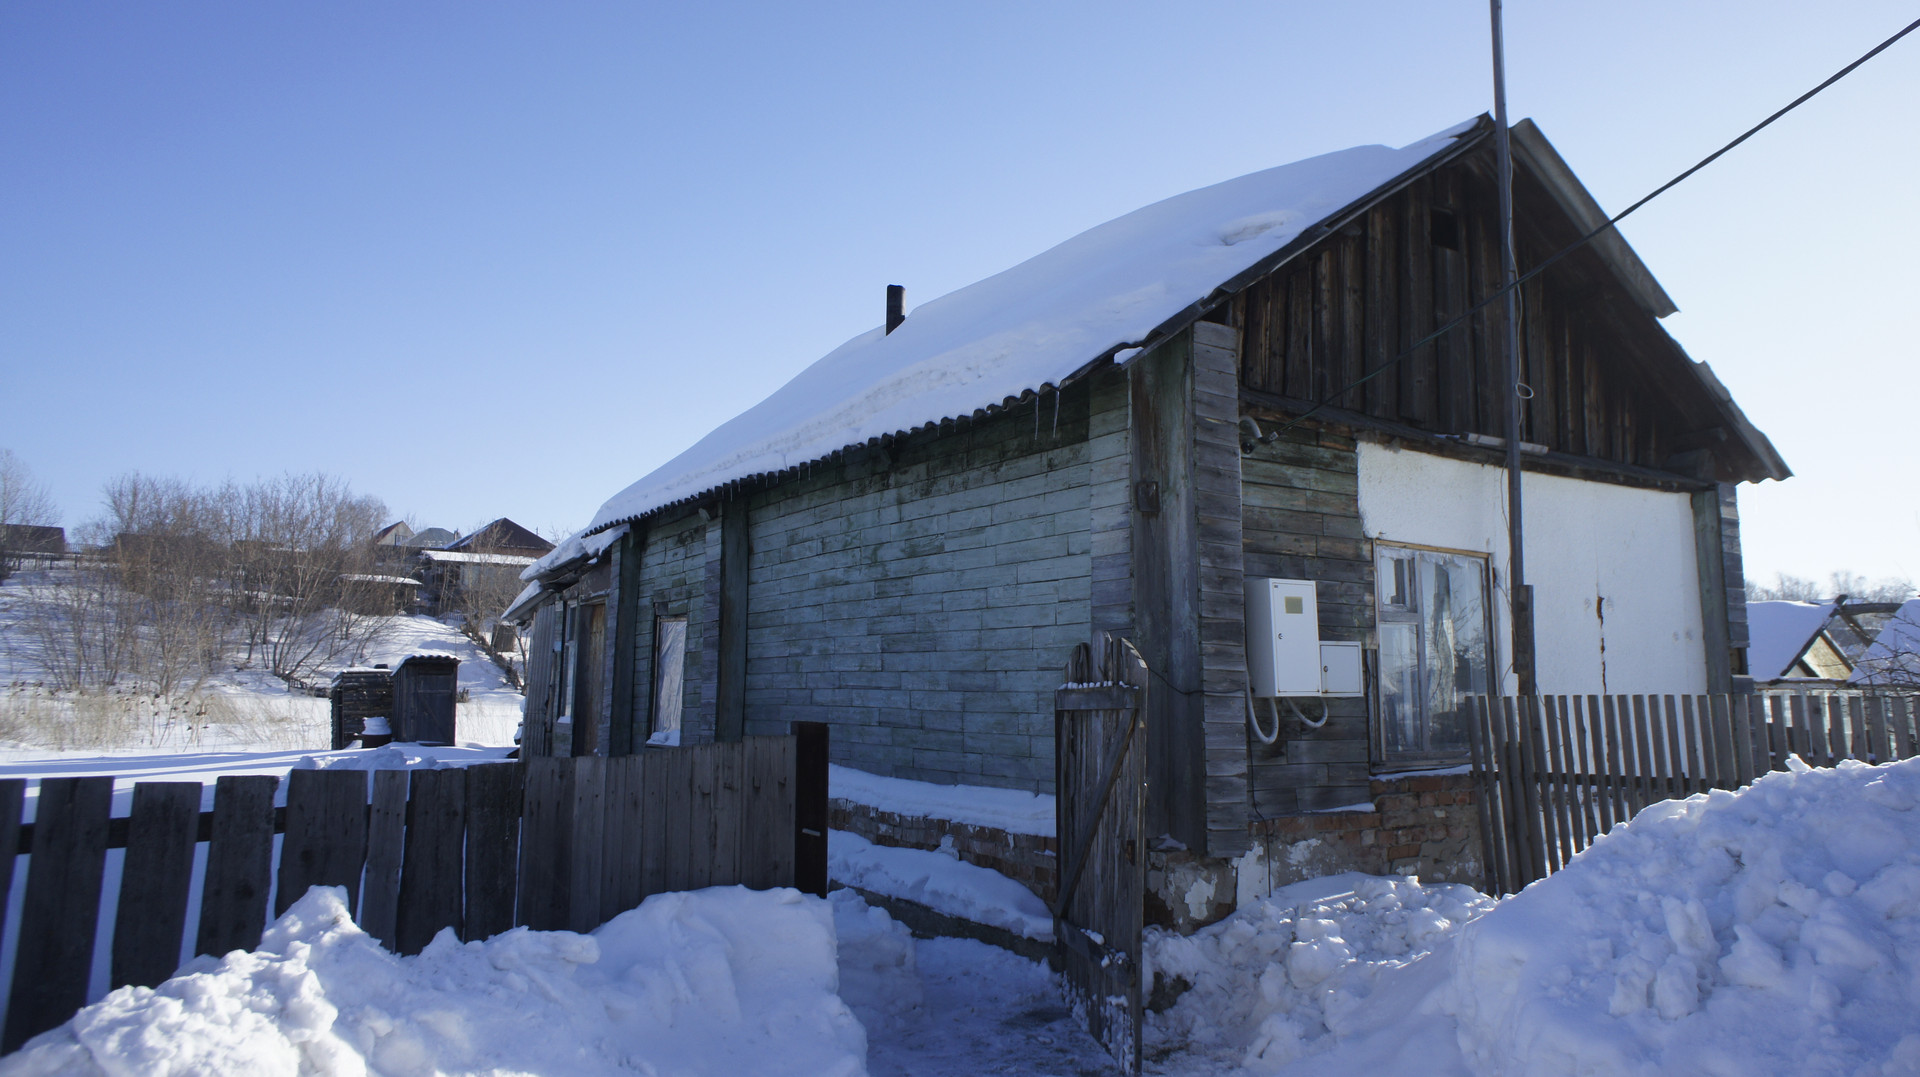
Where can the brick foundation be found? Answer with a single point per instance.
(1029, 859)
(1422, 825)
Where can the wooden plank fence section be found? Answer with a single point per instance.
(233, 903)
(1553, 773)
(550, 843)
(156, 878)
(326, 835)
(55, 953)
(493, 848)
(386, 828)
(432, 894)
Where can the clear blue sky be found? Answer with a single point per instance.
(502, 259)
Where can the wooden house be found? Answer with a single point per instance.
(907, 540)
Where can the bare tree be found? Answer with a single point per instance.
(1853, 585)
(23, 500)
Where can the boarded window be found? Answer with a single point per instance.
(1435, 649)
(669, 678)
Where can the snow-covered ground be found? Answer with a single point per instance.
(719, 982)
(239, 708)
(1776, 930)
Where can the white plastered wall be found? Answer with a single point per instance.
(1629, 550)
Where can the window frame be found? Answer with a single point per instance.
(1407, 612)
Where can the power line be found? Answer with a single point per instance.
(1590, 236)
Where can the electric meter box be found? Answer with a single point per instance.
(1340, 670)
(1283, 637)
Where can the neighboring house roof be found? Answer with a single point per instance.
(394, 534)
(1894, 657)
(1779, 633)
(459, 557)
(503, 536)
(367, 577)
(33, 538)
(431, 538)
(1104, 294)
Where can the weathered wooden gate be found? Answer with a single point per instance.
(1100, 772)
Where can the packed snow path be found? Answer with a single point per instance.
(954, 1007)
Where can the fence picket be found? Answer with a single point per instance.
(326, 835)
(155, 880)
(1695, 737)
(586, 816)
(656, 773)
(1903, 726)
(1741, 722)
(431, 891)
(1540, 831)
(13, 792)
(1611, 800)
(1483, 799)
(543, 844)
(493, 795)
(233, 900)
(1507, 760)
(60, 909)
(386, 832)
(1859, 744)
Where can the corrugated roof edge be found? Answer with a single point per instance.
(1481, 127)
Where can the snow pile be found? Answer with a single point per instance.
(1015, 811)
(879, 976)
(941, 881)
(1028, 327)
(723, 981)
(1774, 930)
(1268, 984)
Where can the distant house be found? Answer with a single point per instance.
(1121, 434)
(503, 536)
(1833, 644)
(32, 540)
(487, 562)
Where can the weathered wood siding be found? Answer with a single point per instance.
(673, 583)
(1301, 506)
(1605, 383)
(919, 598)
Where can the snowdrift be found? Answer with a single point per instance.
(1773, 930)
(722, 982)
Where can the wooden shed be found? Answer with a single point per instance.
(1137, 429)
(425, 689)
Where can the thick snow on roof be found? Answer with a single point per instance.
(1030, 326)
(1894, 657)
(1779, 631)
(576, 547)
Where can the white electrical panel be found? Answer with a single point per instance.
(1283, 637)
(1340, 670)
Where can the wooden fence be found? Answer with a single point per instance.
(552, 844)
(1555, 772)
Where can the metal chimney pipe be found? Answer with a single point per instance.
(896, 306)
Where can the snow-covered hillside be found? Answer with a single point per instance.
(238, 708)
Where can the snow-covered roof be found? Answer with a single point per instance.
(1778, 633)
(462, 558)
(367, 577)
(577, 547)
(523, 603)
(1894, 657)
(1106, 290)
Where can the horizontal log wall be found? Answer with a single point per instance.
(1301, 503)
(916, 596)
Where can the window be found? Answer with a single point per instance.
(1435, 648)
(669, 678)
